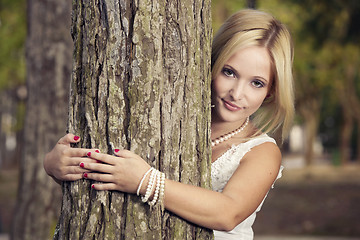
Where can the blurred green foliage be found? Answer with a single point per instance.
(223, 9)
(12, 41)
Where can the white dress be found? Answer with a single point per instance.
(221, 171)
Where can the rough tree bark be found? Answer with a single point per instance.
(48, 51)
(141, 81)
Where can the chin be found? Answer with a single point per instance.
(233, 119)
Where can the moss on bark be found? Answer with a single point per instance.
(142, 82)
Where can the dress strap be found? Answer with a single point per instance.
(259, 140)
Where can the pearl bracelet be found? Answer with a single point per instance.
(157, 181)
(162, 191)
(142, 180)
(150, 185)
(157, 189)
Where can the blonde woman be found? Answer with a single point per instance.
(252, 95)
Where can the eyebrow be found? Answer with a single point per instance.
(232, 69)
(237, 74)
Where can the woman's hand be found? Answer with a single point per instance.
(122, 172)
(62, 162)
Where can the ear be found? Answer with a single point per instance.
(271, 91)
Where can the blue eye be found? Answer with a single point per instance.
(258, 83)
(228, 72)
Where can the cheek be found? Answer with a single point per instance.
(219, 86)
(258, 101)
(215, 89)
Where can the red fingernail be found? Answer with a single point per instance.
(97, 151)
(89, 154)
(117, 150)
(85, 175)
(76, 138)
(82, 165)
(93, 186)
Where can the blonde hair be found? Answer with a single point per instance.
(255, 28)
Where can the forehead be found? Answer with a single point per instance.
(253, 60)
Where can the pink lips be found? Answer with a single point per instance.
(230, 106)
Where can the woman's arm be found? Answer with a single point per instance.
(220, 211)
(241, 196)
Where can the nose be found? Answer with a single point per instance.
(237, 91)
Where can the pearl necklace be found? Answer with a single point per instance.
(229, 135)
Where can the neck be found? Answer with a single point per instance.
(219, 128)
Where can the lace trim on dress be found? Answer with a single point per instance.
(225, 165)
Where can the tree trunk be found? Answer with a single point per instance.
(348, 117)
(310, 109)
(349, 101)
(347, 128)
(10, 130)
(357, 157)
(48, 51)
(141, 81)
(251, 3)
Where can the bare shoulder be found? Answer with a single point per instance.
(266, 154)
(266, 148)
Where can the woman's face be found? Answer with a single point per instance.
(242, 85)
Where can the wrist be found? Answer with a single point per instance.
(151, 187)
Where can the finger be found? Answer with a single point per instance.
(78, 152)
(76, 170)
(97, 167)
(69, 173)
(124, 153)
(105, 158)
(71, 162)
(106, 178)
(103, 186)
(69, 138)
